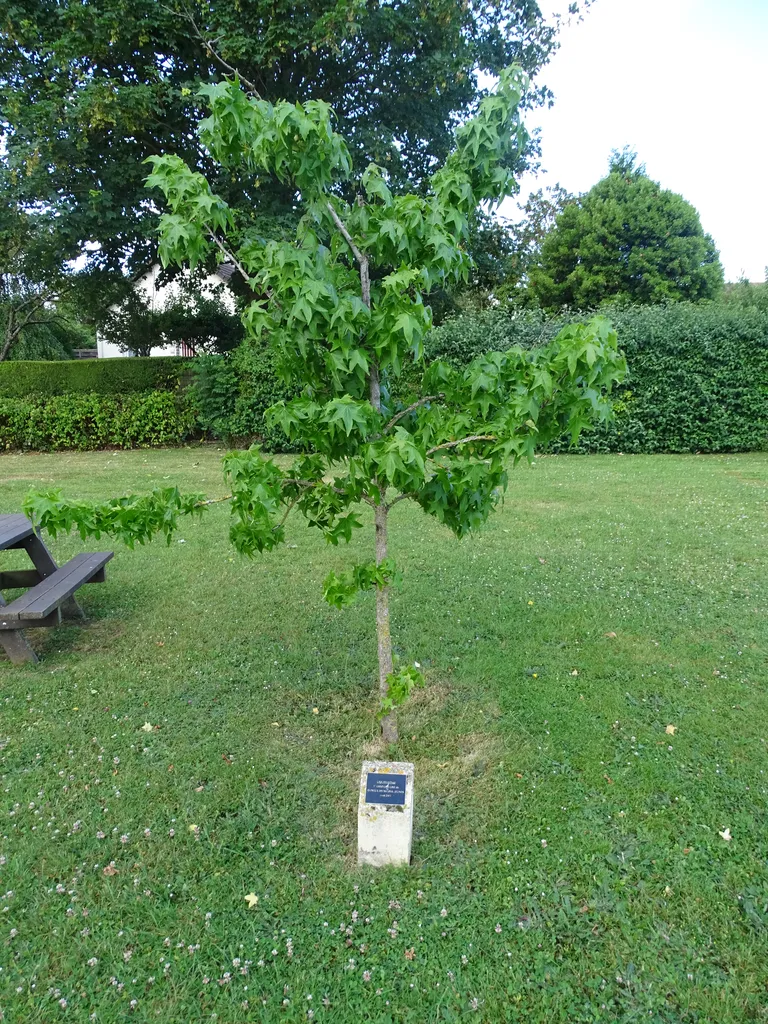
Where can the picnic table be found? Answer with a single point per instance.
(51, 587)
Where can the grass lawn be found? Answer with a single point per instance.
(568, 859)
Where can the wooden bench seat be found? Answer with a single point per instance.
(36, 607)
(13, 530)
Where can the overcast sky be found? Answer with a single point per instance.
(683, 82)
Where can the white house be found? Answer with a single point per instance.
(157, 296)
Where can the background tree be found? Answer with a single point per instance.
(502, 253)
(342, 308)
(190, 318)
(31, 283)
(626, 239)
(57, 336)
(88, 91)
(748, 294)
(539, 214)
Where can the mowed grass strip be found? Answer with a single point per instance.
(571, 860)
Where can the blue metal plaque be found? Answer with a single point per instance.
(383, 788)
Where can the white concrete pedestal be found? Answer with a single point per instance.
(385, 813)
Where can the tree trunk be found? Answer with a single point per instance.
(10, 334)
(384, 640)
(389, 722)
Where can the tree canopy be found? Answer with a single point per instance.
(89, 91)
(626, 239)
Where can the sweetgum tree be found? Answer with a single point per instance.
(343, 307)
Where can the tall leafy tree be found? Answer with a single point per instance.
(342, 306)
(748, 294)
(88, 91)
(626, 239)
(32, 281)
(201, 322)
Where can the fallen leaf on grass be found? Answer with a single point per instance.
(315, 711)
(226, 759)
(199, 789)
(518, 775)
(611, 635)
(251, 899)
(147, 727)
(726, 835)
(575, 672)
(671, 730)
(608, 779)
(667, 891)
(410, 954)
(110, 870)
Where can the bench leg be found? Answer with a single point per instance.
(72, 610)
(15, 645)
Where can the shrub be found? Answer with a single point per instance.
(84, 422)
(20, 379)
(231, 394)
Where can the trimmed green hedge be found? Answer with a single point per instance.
(698, 377)
(698, 382)
(20, 379)
(85, 422)
(698, 373)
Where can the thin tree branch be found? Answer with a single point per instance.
(287, 513)
(306, 484)
(38, 299)
(374, 381)
(365, 292)
(212, 501)
(399, 416)
(361, 259)
(230, 255)
(208, 44)
(365, 277)
(400, 497)
(464, 440)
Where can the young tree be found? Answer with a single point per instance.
(342, 306)
(626, 239)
